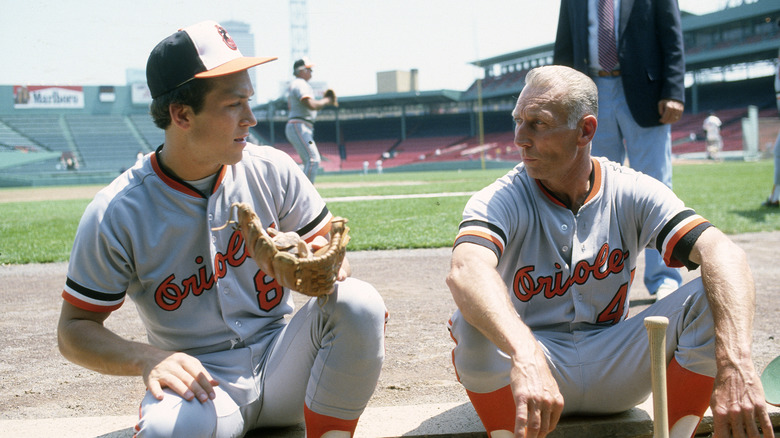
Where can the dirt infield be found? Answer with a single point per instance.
(37, 382)
(28, 194)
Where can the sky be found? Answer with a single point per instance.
(94, 42)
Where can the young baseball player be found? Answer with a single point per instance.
(541, 272)
(220, 358)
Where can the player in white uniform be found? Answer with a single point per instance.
(541, 272)
(303, 107)
(713, 139)
(220, 358)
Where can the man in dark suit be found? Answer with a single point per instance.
(641, 88)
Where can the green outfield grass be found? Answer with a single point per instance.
(38, 232)
(728, 194)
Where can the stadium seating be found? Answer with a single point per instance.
(44, 130)
(108, 143)
(152, 135)
(365, 150)
(417, 149)
(10, 139)
(105, 143)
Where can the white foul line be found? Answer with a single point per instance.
(381, 197)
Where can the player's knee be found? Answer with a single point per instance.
(360, 300)
(174, 416)
(696, 339)
(479, 364)
(480, 372)
(360, 310)
(695, 304)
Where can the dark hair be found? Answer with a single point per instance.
(192, 93)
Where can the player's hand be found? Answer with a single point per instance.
(345, 270)
(537, 397)
(342, 275)
(670, 110)
(183, 374)
(738, 403)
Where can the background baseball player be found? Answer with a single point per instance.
(541, 273)
(220, 359)
(303, 108)
(714, 141)
(773, 201)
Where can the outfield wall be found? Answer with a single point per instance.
(75, 178)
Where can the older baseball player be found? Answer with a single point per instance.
(303, 107)
(220, 358)
(541, 273)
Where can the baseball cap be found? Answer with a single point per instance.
(303, 62)
(203, 50)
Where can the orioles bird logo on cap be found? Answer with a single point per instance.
(226, 38)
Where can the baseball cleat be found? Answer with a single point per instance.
(770, 204)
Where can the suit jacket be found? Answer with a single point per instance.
(650, 50)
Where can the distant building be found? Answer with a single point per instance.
(397, 81)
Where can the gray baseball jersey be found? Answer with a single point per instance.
(567, 269)
(157, 240)
(569, 276)
(149, 236)
(300, 88)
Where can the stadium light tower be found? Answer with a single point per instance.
(299, 30)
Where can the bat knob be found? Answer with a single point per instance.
(656, 322)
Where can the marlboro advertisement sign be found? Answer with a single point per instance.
(48, 96)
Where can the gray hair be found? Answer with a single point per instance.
(579, 95)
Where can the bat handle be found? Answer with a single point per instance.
(656, 334)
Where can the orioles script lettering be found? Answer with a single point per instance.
(169, 295)
(526, 286)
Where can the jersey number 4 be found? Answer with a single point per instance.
(614, 310)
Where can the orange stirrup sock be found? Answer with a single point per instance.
(496, 410)
(689, 397)
(318, 425)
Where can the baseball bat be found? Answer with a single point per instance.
(656, 335)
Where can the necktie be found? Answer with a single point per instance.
(607, 49)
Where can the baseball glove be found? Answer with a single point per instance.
(332, 94)
(291, 261)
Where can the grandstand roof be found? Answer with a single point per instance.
(430, 97)
(747, 52)
(533, 52)
(753, 47)
(405, 98)
(761, 8)
(750, 49)
(748, 33)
